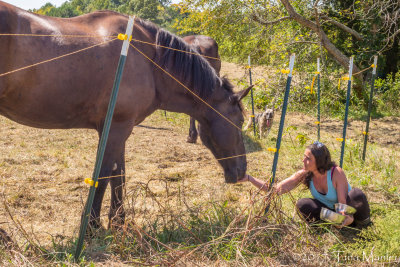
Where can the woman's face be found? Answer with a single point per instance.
(309, 161)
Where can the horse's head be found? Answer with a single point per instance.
(222, 137)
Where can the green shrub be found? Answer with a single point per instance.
(388, 94)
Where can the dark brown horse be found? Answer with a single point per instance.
(207, 47)
(74, 92)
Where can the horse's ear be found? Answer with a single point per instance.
(241, 94)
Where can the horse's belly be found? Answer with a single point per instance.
(42, 112)
(47, 121)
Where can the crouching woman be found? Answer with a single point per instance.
(328, 185)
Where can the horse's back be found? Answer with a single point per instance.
(208, 47)
(111, 21)
(206, 44)
(17, 20)
(72, 91)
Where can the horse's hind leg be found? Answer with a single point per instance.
(192, 138)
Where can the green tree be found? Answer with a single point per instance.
(66, 10)
(158, 11)
(145, 9)
(270, 30)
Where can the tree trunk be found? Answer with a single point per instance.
(341, 58)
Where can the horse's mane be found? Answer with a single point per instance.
(190, 69)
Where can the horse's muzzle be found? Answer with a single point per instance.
(231, 177)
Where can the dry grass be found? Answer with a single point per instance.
(179, 211)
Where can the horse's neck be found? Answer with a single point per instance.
(179, 99)
(182, 104)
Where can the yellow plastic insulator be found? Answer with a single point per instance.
(317, 72)
(252, 116)
(248, 67)
(365, 133)
(91, 182)
(345, 78)
(285, 71)
(317, 122)
(373, 66)
(122, 36)
(339, 139)
(312, 85)
(272, 149)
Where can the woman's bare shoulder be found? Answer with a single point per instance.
(339, 175)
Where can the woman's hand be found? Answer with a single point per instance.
(347, 221)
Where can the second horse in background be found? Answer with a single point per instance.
(208, 48)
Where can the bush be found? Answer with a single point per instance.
(265, 94)
(388, 95)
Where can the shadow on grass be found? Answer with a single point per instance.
(153, 128)
(362, 116)
(345, 234)
(215, 233)
(251, 144)
(96, 248)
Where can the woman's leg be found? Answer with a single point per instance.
(357, 199)
(310, 208)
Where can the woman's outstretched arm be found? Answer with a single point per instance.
(282, 187)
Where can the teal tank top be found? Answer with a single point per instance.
(330, 199)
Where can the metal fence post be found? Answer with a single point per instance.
(104, 137)
(370, 106)
(282, 121)
(252, 99)
(346, 111)
(319, 101)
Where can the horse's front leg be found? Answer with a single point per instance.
(116, 215)
(113, 164)
(94, 221)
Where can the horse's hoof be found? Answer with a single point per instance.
(94, 227)
(116, 218)
(92, 231)
(115, 226)
(191, 140)
(116, 223)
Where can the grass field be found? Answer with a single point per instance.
(180, 211)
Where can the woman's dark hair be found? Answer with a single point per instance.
(322, 159)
